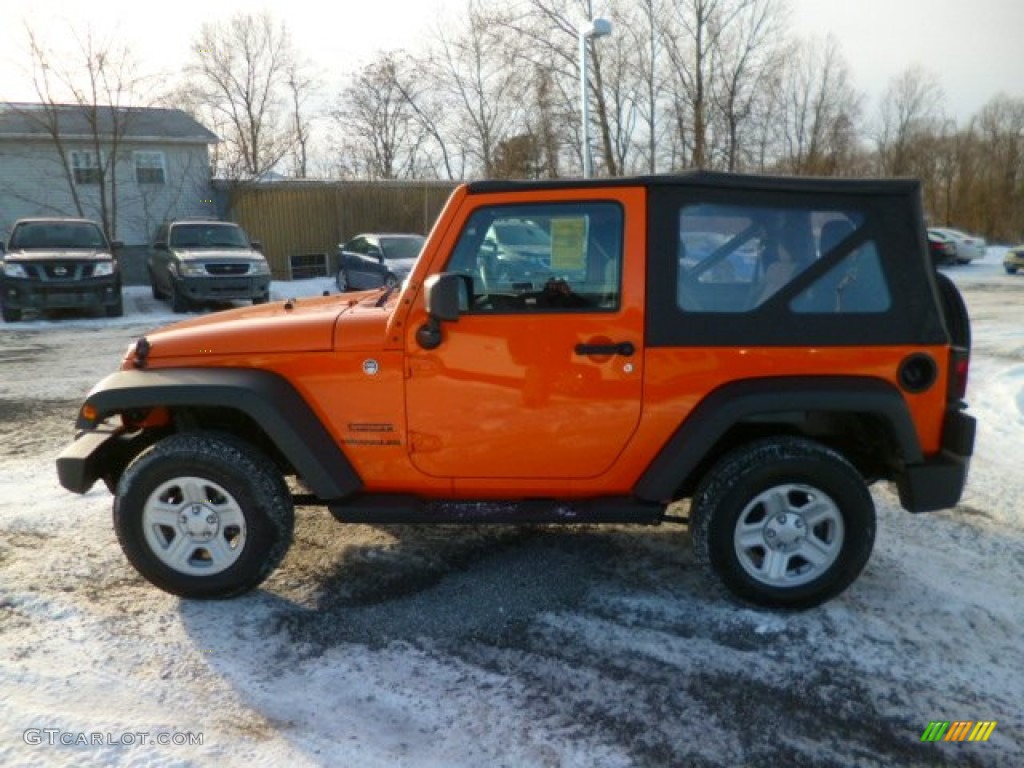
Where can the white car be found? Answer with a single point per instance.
(968, 247)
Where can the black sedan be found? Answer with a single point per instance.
(377, 260)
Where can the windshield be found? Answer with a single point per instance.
(401, 247)
(30, 235)
(208, 236)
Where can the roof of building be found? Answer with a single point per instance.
(21, 121)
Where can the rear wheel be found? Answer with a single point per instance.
(954, 310)
(11, 315)
(784, 522)
(1011, 270)
(203, 515)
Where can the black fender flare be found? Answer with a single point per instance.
(266, 397)
(770, 399)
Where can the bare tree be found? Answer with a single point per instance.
(547, 32)
(475, 68)
(249, 87)
(93, 87)
(910, 109)
(820, 110)
(999, 203)
(300, 87)
(749, 55)
(380, 128)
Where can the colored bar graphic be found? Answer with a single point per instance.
(982, 730)
(959, 730)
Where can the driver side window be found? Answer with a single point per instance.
(542, 258)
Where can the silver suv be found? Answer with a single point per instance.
(57, 263)
(194, 262)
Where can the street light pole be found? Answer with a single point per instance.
(592, 29)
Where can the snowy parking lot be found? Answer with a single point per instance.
(501, 646)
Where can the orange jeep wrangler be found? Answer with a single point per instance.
(565, 352)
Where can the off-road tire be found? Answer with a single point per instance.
(258, 496)
(954, 310)
(758, 490)
(11, 315)
(116, 309)
(179, 301)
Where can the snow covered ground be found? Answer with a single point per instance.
(589, 647)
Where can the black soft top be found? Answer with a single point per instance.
(698, 178)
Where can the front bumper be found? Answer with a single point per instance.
(1014, 260)
(103, 452)
(226, 288)
(18, 293)
(938, 483)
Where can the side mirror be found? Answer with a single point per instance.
(160, 245)
(445, 294)
(257, 245)
(117, 245)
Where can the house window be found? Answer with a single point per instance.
(149, 167)
(86, 166)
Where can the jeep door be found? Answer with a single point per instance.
(540, 376)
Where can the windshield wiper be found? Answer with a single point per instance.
(388, 290)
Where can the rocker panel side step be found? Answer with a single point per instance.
(414, 510)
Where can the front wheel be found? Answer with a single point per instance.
(342, 280)
(179, 301)
(784, 522)
(116, 309)
(203, 515)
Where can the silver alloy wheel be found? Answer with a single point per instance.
(342, 280)
(194, 526)
(789, 535)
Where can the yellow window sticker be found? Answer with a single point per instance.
(568, 243)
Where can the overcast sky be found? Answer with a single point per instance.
(972, 46)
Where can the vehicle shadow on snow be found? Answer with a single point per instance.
(611, 635)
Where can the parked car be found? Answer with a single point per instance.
(968, 247)
(196, 261)
(53, 263)
(374, 260)
(517, 251)
(1014, 259)
(942, 249)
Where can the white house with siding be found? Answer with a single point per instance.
(153, 164)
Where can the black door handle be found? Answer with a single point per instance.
(624, 348)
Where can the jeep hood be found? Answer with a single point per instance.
(296, 325)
